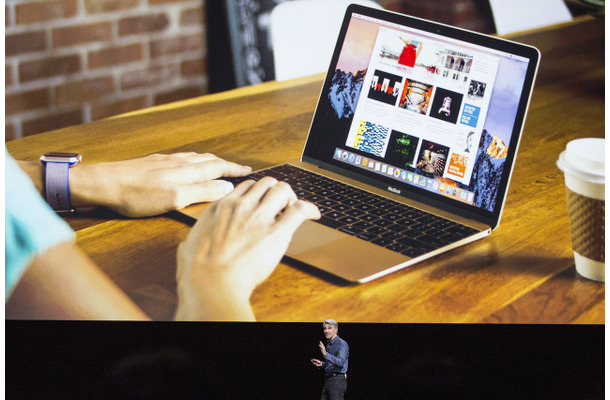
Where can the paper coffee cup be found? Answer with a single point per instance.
(583, 166)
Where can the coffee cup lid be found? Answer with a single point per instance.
(584, 158)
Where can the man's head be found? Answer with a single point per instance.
(331, 328)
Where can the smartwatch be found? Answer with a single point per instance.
(57, 179)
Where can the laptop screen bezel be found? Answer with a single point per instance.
(319, 125)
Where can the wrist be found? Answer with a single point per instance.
(83, 189)
(56, 179)
(212, 298)
(94, 185)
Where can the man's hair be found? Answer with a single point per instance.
(332, 323)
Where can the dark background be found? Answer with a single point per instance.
(271, 360)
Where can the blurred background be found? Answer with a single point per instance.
(69, 62)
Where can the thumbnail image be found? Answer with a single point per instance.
(409, 52)
(457, 165)
(416, 96)
(476, 90)
(453, 65)
(402, 150)
(470, 115)
(446, 105)
(469, 144)
(371, 138)
(448, 65)
(385, 87)
(404, 51)
(432, 159)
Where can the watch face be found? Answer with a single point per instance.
(55, 156)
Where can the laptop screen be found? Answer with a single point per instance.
(423, 110)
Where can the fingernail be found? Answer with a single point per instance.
(225, 187)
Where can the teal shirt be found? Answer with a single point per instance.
(31, 227)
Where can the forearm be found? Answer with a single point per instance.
(84, 192)
(209, 301)
(35, 171)
(64, 283)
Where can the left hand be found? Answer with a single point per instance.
(153, 184)
(234, 246)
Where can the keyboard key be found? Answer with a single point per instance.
(350, 230)
(412, 252)
(348, 220)
(331, 223)
(416, 244)
(382, 242)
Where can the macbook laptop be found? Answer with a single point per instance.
(412, 144)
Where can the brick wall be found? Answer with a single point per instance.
(74, 61)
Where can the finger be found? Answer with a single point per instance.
(260, 188)
(277, 198)
(208, 191)
(241, 189)
(215, 168)
(188, 157)
(294, 215)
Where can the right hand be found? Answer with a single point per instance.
(234, 246)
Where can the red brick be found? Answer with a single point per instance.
(76, 92)
(7, 17)
(26, 42)
(150, 77)
(179, 94)
(117, 107)
(8, 75)
(114, 56)
(27, 101)
(105, 6)
(53, 121)
(10, 132)
(175, 45)
(191, 68)
(79, 34)
(192, 16)
(49, 67)
(42, 11)
(143, 24)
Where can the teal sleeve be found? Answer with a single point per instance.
(31, 227)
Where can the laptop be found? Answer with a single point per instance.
(412, 144)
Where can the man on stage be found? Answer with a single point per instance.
(335, 359)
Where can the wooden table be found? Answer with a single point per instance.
(523, 273)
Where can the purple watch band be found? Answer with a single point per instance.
(57, 185)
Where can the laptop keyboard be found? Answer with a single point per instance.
(367, 216)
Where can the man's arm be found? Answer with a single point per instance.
(342, 354)
(146, 186)
(63, 283)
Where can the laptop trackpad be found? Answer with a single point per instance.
(340, 254)
(311, 235)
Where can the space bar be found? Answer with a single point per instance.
(331, 223)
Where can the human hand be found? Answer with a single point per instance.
(322, 348)
(153, 184)
(315, 362)
(234, 246)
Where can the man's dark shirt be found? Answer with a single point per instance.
(337, 354)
